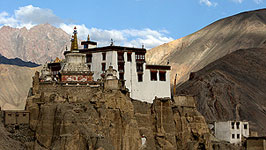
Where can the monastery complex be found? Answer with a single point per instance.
(89, 65)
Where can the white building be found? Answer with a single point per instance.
(231, 131)
(145, 82)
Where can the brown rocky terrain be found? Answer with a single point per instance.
(195, 51)
(15, 84)
(232, 88)
(39, 44)
(94, 118)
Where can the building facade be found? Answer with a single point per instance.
(144, 82)
(231, 131)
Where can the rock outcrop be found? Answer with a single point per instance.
(94, 118)
(232, 88)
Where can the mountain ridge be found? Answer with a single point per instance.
(193, 52)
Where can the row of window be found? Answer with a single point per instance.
(17, 115)
(237, 136)
(139, 57)
(238, 125)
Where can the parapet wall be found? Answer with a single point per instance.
(56, 92)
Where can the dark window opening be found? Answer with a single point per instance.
(153, 75)
(139, 67)
(17, 115)
(245, 126)
(162, 76)
(89, 58)
(24, 115)
(104, 56)
(9, 115)
(86, 46)
(233, 136)
(16, 127)
(140, 57)
(121, 76)
(238, 136)
(120, 56)
(121, 67)
(237, 125)
(103, 66)
(233, 125)
(129, 59)
(140, 77)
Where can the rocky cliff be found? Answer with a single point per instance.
(94, 118)
(232, 88)
(195, 51)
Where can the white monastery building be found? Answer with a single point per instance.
(144, 82)
(231, 131)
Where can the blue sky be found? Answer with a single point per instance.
(128, 22)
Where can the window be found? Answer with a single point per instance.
(233, 125)
(120, 56)
(140, 57)
(237, 125)
(162, 75)
(121, 67)
(245, 126)
(121, 76)
(9, 114)
(140, 77)
(89, 58)
(129, 59)
(17, 115)
(238, 136)
(24, 114)
(103, 66)
(85, 46)
(104, 56)
(153, 75)
(233, 136)
(139, 67)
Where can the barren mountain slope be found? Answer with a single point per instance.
(193, 52)
(232, 88)
(38, 44)
(15, 83)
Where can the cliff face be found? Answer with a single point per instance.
(232, 88)
(110, 120)
(195, 51)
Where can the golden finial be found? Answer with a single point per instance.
(88, 37)
(75, 40)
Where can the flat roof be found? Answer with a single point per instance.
(110, 48)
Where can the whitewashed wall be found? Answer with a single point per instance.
(145, 90)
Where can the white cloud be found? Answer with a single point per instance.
(258, 1)
(29, 16)
(36, 15)
(208, 3)
(128, 37)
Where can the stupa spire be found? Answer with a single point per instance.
(74, 40)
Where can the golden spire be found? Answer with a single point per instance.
(88, 37)
(72, 39)
(74, 43)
